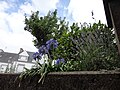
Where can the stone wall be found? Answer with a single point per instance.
(92, 80)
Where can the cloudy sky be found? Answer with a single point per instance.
(12, 33)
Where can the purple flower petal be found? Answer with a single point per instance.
(36, 55)
(51, 43)
(43, 50)
(58, 61)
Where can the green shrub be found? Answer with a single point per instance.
(83, 47)
(89, 48)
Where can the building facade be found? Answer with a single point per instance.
(15, 63)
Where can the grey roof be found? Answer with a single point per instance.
(1, 50)
(6, 57)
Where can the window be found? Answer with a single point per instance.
(20, 68)
(23, 58)
(0, 55)
(3, 68)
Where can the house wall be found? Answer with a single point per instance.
(14, 67)
(16, 64)
(3, 67)
(19, 66)
(112, 10)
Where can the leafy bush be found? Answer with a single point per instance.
(45, 28)
(73, 48)
(89, 48)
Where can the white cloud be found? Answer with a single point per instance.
(44, 5)
(81, 10)
(13, 41)
(12, 33)
(3, 6)
(3, 21)
(26, 8)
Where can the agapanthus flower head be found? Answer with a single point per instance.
(43, 50)
(58, 61)
(51, 44)
(37, 55)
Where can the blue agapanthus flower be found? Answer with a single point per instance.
(43, 50)
(51, 44)
(37, 55)
(58, 61)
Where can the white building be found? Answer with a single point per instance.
(15, 63)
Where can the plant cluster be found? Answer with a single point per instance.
(91, 47)
(49, 64)
(72, 48)
(46, 27)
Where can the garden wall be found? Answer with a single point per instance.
(100, 80)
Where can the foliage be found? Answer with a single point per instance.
(89, 47)
(45, 28)
(73, 48)
(48, 65)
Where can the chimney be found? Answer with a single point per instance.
(1, 50)
(21, 50)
